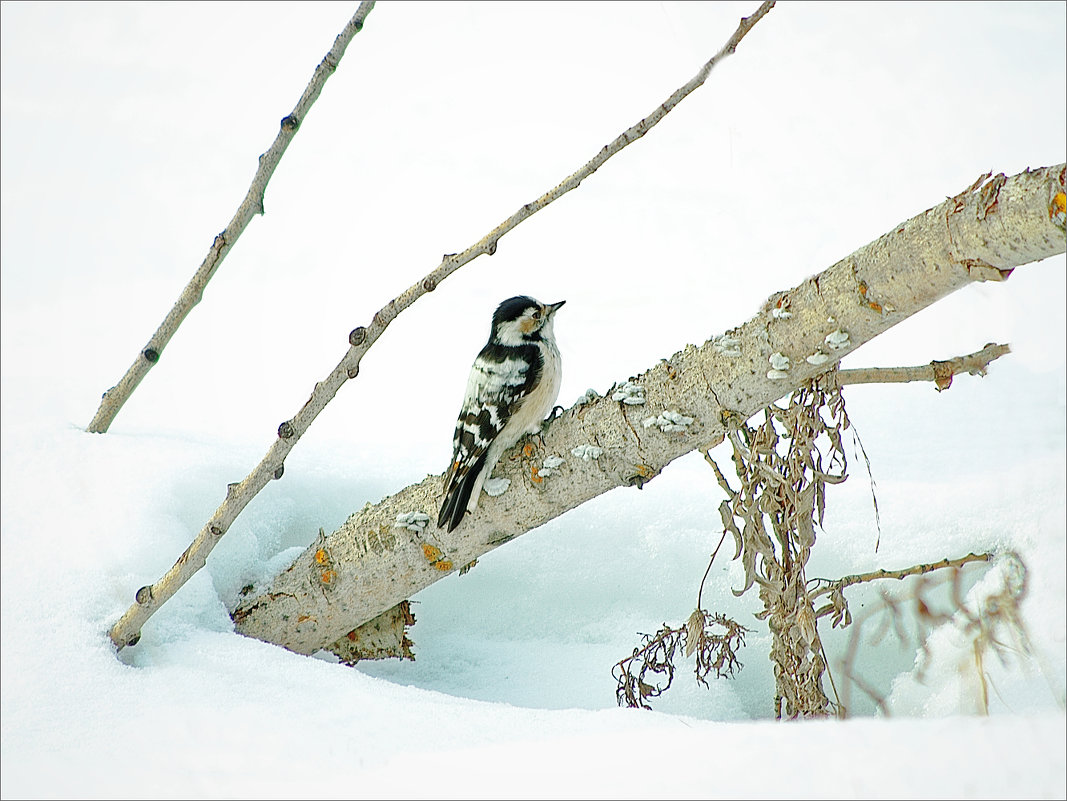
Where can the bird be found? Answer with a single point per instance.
(513, 385)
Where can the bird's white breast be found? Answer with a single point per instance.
(540, 401)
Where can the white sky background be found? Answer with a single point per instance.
(130, 133)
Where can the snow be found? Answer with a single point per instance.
(130, 134)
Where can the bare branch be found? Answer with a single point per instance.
(114, 399)
(915, 570)
(127, 630)
(941, 373)
(800, 333)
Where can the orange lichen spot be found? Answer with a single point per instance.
(444, 565)
(320, 556)
(302, 618)
(328, 576)
(870, 303)
(432, 553)
(643, 470)
(351, 635)
(1059, 204)
(534, 477)
(528, 450)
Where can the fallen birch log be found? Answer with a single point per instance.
(387, 552)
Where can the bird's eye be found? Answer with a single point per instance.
(536, 315)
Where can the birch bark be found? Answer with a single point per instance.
(385, 553)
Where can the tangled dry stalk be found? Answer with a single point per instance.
(784, 465)
(714, 638)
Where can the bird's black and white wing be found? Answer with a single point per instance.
(500, 381)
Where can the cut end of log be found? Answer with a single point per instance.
(384, 637)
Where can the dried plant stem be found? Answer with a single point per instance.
(711, 561)
(127, 630)
(940, 372)
(114, 399)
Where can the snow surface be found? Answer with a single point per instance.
(130, 134)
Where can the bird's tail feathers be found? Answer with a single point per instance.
(458, 495)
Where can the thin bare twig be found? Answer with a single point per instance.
(114, 399)
(939, 372)
(828, 586)
(127, 630)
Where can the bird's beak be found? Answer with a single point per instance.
(554, 307)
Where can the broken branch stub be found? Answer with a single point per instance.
(377, 561)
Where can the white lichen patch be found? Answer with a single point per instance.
(586, 452)
(629, 393)
(589, 396)
(780, 365)
(668, 421)
(780, 310)
(838, 340)
(413, 521)
(496, 486)
(727, 345)
(550, 466)
(818, 357)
